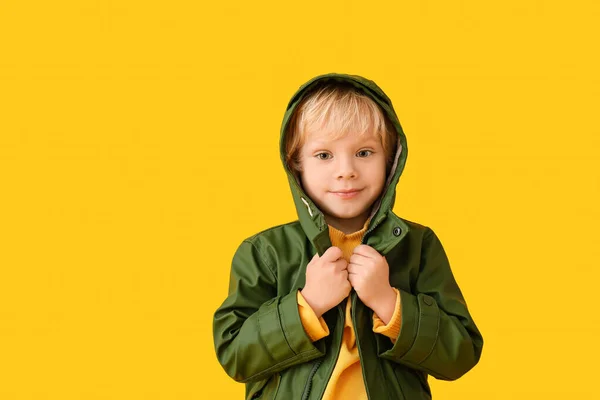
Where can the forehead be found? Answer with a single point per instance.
(325, 138)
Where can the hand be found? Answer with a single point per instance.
(326, 281)
(368, 272)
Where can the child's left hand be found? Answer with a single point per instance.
(368, 273)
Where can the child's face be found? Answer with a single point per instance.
(330, 167)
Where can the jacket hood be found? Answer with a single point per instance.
(310, 217)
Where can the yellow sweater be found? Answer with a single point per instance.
(346, 381)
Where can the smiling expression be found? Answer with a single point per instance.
(343, 177)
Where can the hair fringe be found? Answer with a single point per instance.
(335, 110)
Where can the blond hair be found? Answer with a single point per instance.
(335, 110)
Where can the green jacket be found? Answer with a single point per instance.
(258, 335)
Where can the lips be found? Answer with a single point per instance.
(347, 193)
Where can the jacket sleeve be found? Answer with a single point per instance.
(256, 332)
(437, 334)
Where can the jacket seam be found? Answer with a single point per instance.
(258, 323)
(287, 360)
(282, 327)
(413, 338)
(437, 335)
(273, 311)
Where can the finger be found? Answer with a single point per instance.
(312, 262)
(349, 268)
(340, 264)
(352, 279)
(359, 259)
(366, 250)
(332, 254)
(347, 286)
(353, 269)
(345, 274)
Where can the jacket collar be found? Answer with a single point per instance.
(385, 228)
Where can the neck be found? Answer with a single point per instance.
(348, 225)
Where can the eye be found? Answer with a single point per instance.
(322, 154)
(363, 152)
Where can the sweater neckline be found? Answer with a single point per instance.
(341, 236)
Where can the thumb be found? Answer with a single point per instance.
(332, 254)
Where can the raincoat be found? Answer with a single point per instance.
(258, 335)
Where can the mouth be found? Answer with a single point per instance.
(347, 194)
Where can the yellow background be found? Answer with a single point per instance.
(139, 147)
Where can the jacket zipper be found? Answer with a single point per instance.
(313, 371)
(353, 314)
(362, 368)
(308, 385)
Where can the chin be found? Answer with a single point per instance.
(348, 215)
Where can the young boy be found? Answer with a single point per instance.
(349, 301)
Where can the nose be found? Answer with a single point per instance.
(346, 168)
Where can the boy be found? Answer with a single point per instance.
(350, 301)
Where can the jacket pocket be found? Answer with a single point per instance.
(267, 390)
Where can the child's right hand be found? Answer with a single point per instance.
(327, 281)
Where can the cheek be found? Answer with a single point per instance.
(310, 175)
(311, 166)
(377, 174)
